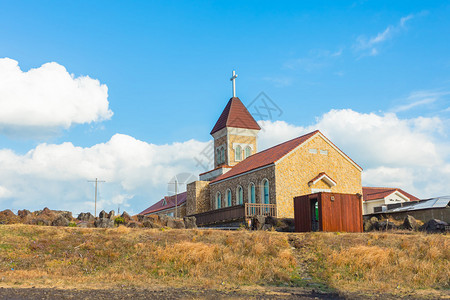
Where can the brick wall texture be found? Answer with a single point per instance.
(197, 198)
(297, 168)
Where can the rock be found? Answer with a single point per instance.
(434, 225)
(84, 224)
(60, 221)
(126, 217)
(23, 213)
(86, 217)
(271, 221)
(164, 219)
(368, 226)
(175, 223)
(410, 223)
(150, 224)
(8, 217)
(386, 225)
(67, 215)
(133, 224)
(104, 223)
(258, 222)
(103, 215)
(285, 225)
(141, 218)
(111, 214)
(40, 222)
(45, 212)
(190, 222)
(267, 227)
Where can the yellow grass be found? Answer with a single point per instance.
(392, 263)
(379, 262)
(42, 256)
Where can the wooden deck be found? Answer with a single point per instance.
(235, 213)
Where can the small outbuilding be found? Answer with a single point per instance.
(328, 212)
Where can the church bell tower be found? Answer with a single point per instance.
(235, 133)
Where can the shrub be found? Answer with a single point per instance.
(119, 220)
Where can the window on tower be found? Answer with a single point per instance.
(222, 155)
(238, 153)
(248, 151)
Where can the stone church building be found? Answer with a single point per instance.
(245, 182)
(266, 182)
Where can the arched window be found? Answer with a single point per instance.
(248, 151)
(228, 197)
(218, 156)
(239, 195)
(251, 193)
(265, 191)
(218, 200)
(238, 153)
(222, 155)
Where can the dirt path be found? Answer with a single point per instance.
(168, 293)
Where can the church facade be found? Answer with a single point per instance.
(268, 180)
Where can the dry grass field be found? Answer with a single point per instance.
(359, 264)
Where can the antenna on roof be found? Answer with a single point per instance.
(233, 79)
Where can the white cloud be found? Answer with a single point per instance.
(136, 174)
(412, 154)
(419, 98)
(408, 153)
(47, 99)
(370, 45)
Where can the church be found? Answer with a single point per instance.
(246, 182)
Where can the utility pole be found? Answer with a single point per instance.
(176, 200)
(96, 182)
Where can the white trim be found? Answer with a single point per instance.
(242, 131)
(385, 198)
(398, 194)
(313, 191)
(235, 131)
(211, 175)
(243, 145)
(248, 172)
(328, 142)
(373, 200)
(325, 178)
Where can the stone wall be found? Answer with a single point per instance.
(294, 172)
(244, 181)
(250, 140)
(197, 200)
(222, 141)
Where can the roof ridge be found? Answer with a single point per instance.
(299, 137)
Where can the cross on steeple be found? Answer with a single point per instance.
(234, 83)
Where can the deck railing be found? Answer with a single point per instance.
(235, 213)
(260, 209)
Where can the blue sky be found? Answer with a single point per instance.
(166, 66)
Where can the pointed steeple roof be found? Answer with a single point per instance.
(236, 115)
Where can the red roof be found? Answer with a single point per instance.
(236, 115)
(373, 193)
(266, 157)
(170, 203)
